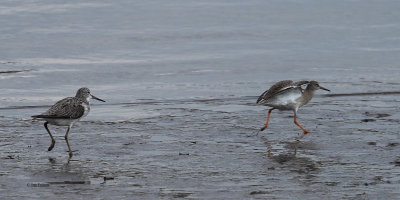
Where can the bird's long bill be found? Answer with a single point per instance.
(98, 99)
(320, 87)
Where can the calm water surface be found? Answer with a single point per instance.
(180, 79)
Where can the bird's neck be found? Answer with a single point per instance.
(308, 94)
(85, 100)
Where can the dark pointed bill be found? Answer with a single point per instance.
(324, 88)
(93, 97)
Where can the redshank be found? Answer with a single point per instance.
(66, 112)
(288, 95)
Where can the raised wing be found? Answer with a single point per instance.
(300, 83)
(274, 89)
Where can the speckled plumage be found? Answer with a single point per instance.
(68, 108)
(66, 112)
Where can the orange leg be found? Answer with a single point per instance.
(305, 131)
(266, 123)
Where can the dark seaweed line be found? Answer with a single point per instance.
(148, 102)
(24, 107)
(360, 94)
(15, 71)
(181, 101)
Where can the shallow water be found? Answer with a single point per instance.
(180, 79)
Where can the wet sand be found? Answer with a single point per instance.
(181, 79)
(200, 149)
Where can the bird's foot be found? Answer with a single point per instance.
(302, 135)
(305, 131)
(51, 146)
(261, 129)
(70, 153)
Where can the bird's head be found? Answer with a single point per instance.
(314, 85)
(85, 94)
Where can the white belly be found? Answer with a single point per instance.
(286, 101)
(87, 110)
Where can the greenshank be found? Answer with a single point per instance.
(66, 112)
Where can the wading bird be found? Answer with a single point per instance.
(66, 112)
(288, 95)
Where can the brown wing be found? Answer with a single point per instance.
(275, 89)
(300, 83)
(68, 108)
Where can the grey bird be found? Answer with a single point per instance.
(288, 95)
(66, 112)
